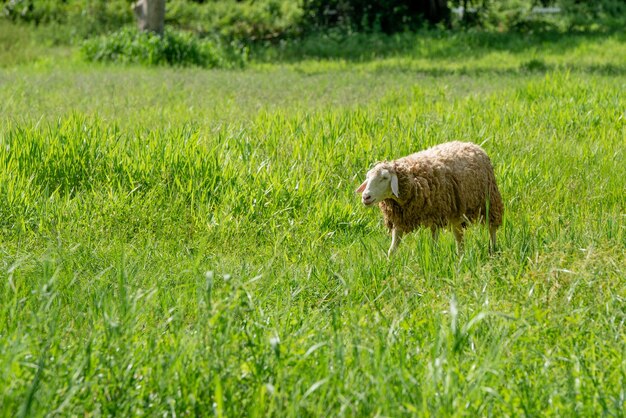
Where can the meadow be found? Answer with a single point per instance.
(185, 242)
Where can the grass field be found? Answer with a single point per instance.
(181, 242)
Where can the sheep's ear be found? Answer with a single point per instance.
(361, 187)
(394, 185)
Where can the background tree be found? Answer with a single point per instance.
(150, 15)
(387, 16)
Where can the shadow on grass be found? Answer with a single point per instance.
(426, 44)
(533, 66)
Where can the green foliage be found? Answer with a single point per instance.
(594, 14)
(70, 19)
(388, 16)
(259, 20)
(231, 19)
(38, 11)
(273, 21)
(542, 16)
(173, 48)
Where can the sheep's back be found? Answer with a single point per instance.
(461, 181)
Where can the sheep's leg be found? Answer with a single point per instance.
(492, 238)
(457, 228)
(396, 237)
(434, 232)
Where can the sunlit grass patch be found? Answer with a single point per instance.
(189, 242)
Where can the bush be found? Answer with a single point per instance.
(535, 16)
(593, 14)
(259, 20)
(241, 20)
(83, 16)
(35, 11)
(173, 48)
(388, 16)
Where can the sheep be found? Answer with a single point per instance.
(451, 184)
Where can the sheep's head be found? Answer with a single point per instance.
(380, 183)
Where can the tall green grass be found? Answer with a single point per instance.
(181, 242)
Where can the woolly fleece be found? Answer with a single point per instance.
(450, 183)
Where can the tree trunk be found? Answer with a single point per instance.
(438, 12)
(150, 15)
(434, 11)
